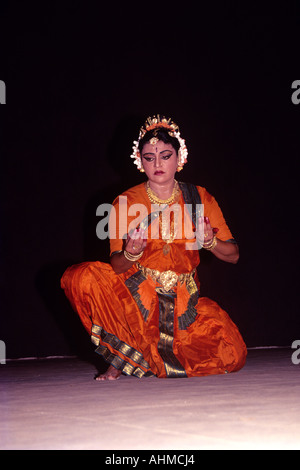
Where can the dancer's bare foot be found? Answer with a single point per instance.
(111, 374)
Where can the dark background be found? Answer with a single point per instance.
(80, 81)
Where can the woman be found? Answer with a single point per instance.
(143, 310)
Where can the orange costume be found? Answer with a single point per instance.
(152, 319)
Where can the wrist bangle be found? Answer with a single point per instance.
(131, 257)
(211, 245)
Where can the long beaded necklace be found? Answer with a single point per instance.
(167, 235)
(167, 232)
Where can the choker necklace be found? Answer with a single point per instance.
(156, 200)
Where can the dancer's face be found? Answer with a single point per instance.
(159, 161)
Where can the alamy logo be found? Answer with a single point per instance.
(296, 94)
(296, 354)
(2, 352)
(161, 222)
(2, 92)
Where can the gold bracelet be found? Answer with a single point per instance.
(212, 244)
(131, 257)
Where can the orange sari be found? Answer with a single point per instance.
(142, 328)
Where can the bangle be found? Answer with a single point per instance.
(211, 244)
(131, 257)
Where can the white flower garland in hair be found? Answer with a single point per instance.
(182, 153)
(136, 154)
(157, 122)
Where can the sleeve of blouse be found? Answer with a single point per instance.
(213, 211)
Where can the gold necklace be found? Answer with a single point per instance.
(156, 200)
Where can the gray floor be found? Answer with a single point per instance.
(56, 404)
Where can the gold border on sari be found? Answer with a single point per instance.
(172, 365)
(133, 283)
(99, 336)
(189, 316)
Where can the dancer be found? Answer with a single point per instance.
(144, 311)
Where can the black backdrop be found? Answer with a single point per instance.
(80, 80)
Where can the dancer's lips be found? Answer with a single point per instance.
(157, 173)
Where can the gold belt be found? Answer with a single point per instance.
(168, 279)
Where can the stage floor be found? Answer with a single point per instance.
(57, 404)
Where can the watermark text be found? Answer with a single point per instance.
(296, 354)
(161, 222)
(2, 352)
(2, 92)
(296, 94)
